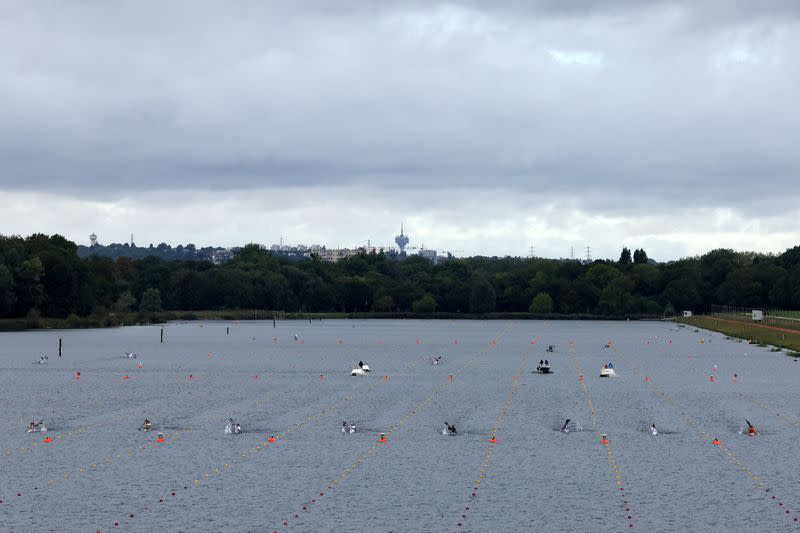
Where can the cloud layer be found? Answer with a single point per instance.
(648, 114)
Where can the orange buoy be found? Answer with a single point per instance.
(386, 377)
(646, 378)
(322, 377)
(77, 375)
(271, 439)
(711, 379)
(139, 365)
(382, 439)
(493, 440)
(715, 442)
(580, 377)
(125, 376)
(47, 439)
(190, 376)
(160, 439)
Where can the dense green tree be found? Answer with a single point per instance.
(625, 256)
(640, 256)
(125, 302)
(482, 296)
(426, 304)
(7, 294)
(151, 301)
(542, 304)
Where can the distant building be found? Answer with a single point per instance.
(92, 240)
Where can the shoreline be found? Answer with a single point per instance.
(746, 331)
(132, 319)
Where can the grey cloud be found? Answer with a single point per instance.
(108, 98)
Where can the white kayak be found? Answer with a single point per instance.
(607, 373)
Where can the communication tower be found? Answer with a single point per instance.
(401, 240)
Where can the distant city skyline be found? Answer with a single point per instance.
(487, 127)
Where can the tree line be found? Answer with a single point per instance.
(44, 275)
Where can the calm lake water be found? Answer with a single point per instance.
(100, 474)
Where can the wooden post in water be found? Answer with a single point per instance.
(59, 346)
(227, 331)
(162, 334)
(273, 321)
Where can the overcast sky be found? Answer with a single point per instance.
(487, 127)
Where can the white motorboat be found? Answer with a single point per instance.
(358, 371)
(607, 372)
(365, 367)
(37, 429)
(544, 368)
(234, 429)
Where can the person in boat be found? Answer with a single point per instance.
(610, 365)
(546, 362)
(541, 362)
(565, 427)
(605, 367)
(653, 430)
(449, 429)
(33, 426)
(352, 428)
(361, 364)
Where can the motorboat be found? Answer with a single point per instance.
(365, 367)
(607, 372)
(358, 371)
(233, 428)
(543, 368)
(449, 429)
(37, 428)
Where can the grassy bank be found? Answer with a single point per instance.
(111, 320)
(747, 331)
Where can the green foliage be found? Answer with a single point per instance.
(482, 298)
(426, 304)
(125, 302)
(151, 301)
(42, 276)
(542, 304)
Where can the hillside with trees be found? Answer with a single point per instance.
(43, 276)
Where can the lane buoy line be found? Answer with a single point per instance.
(612, 461)
(82, 428)
(493, 440)
(758, 403)
(361, 458)
(726, 451)
(170, 438)
(251, 453)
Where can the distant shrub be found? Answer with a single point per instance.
(33, 319)
(73, 321)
